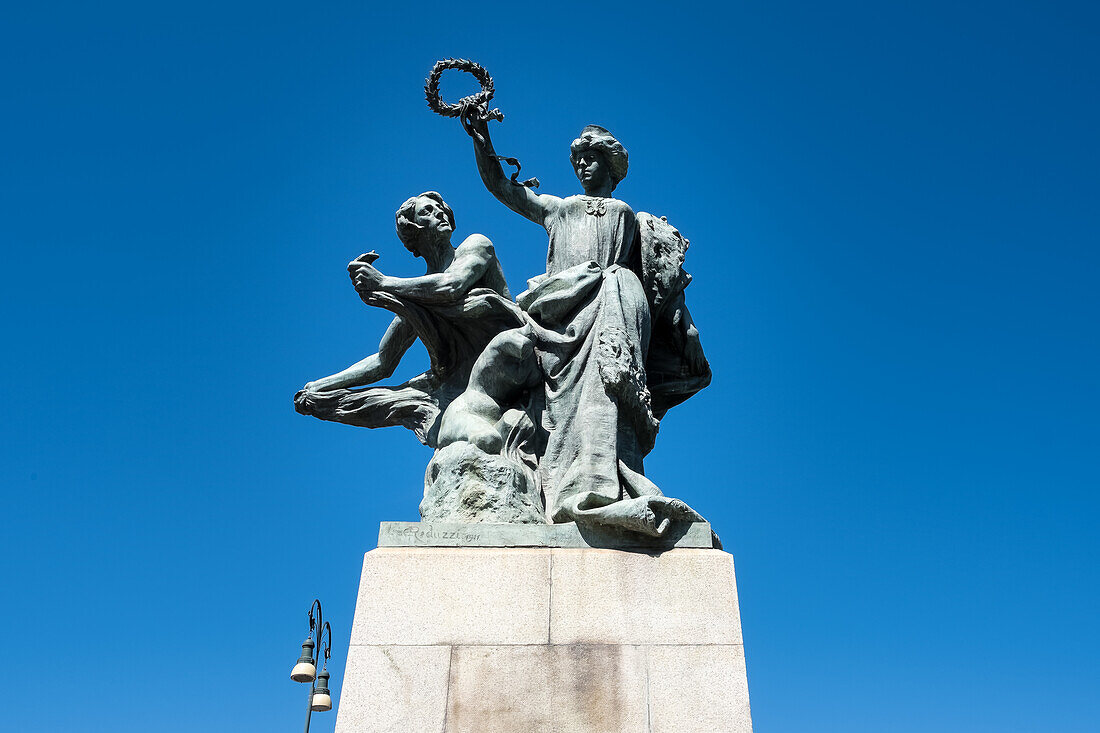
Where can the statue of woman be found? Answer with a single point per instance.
(591, 321)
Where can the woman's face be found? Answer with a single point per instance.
(591, 169)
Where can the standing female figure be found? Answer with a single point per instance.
(591, 322)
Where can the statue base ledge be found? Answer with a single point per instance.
(476, 534)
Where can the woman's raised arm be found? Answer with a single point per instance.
(520, 199)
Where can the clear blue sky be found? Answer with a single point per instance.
(895, 223)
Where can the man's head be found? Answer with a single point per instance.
(424, 220)
(598, 156)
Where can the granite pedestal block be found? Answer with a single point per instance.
(545, 640)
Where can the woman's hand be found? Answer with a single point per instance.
(475, 122)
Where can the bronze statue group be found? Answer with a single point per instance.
(540, 409)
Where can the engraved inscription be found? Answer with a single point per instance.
(429, 534)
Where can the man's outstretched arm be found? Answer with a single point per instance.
(395, 342)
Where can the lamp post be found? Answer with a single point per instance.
(306, 669)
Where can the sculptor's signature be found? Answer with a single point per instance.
(421, 534)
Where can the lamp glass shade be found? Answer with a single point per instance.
(303, 672)
(322, 701)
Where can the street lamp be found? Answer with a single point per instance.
(306, 668)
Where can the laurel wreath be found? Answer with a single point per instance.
(478, 99)
(473, 106)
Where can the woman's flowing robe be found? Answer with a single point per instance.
(592, 323)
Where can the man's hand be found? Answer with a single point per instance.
(303, 404)
(364, 275)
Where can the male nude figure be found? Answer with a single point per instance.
(424, 225)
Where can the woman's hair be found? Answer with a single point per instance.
(407, 229)
(599, 139)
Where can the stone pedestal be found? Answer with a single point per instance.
(545, 640)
